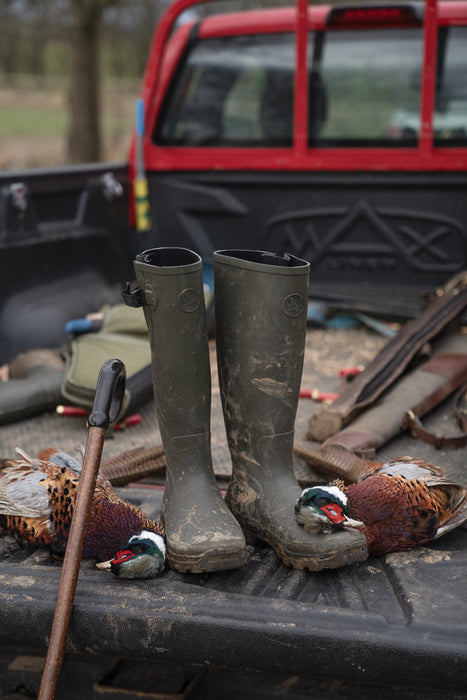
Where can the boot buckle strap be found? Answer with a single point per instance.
(133, 296)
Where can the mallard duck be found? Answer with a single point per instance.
(397, 505)
(37, 498)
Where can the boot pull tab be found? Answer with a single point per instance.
(132, 296)
(280, 259)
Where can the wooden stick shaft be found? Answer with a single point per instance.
(71, 564)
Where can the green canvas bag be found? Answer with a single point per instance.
(123, 335)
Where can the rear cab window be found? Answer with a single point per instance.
(364, 88)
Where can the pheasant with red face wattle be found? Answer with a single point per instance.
(37, 499)
(397, 505)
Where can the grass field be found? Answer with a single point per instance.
(34, 118)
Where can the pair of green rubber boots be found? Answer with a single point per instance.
(261, 307)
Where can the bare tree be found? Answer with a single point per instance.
(84, 138)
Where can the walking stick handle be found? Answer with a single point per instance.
(107, 405)
(110, 391)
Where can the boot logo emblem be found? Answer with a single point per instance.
(293, 305)
(188, 300)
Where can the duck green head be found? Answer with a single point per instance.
(323, 510)
(142, 557)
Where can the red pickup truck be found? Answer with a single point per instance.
(335, 132)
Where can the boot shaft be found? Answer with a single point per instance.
(172, 284)
(261, 309)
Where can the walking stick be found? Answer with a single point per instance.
(107, 405)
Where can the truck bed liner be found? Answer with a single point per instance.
(396, 620)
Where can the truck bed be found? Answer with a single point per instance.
(396, 624)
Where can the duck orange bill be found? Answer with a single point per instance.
(336, 515)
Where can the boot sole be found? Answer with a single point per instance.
(219, 559)
(332, 558)
(214, 560)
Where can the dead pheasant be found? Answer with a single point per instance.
(397, 505)
(36, 503)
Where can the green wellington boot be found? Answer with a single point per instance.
(261, 309)
(201, 532)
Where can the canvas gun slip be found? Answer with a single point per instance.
(345, 454)
(391, 362)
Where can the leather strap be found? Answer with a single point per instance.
(412, 422)
(451, 365)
